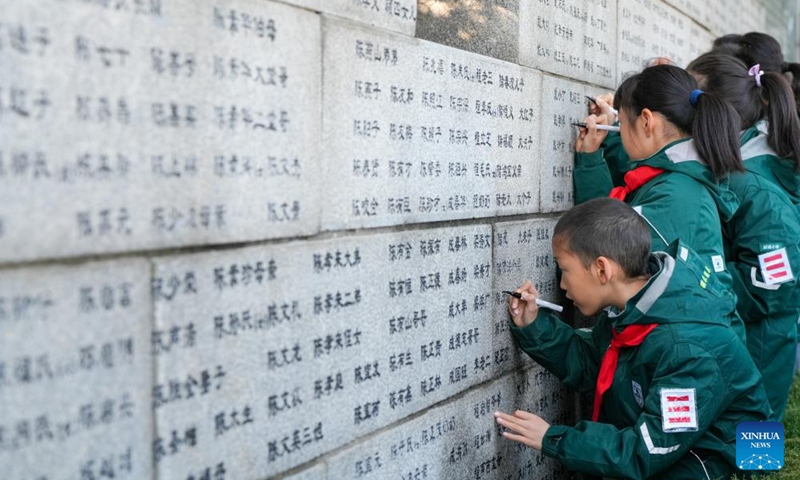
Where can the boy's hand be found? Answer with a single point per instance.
(523, 311)
(590, 138)
(524, 427)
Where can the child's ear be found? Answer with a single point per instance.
(648, 118)
(603, 270)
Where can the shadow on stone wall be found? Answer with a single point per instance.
(487, 27)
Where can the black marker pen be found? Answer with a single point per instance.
(540, 302)
(608, 128)
(613, 110)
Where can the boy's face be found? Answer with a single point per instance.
(581, 285)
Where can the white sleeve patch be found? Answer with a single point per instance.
(718, 262)
(758, 283)
(684, 253)
(775, 267)
(678, 410)
(651, 448)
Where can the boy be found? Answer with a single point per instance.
(671, 380)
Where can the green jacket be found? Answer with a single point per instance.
(764, 161)
(767, 221)
(683, 203)
(692, 348)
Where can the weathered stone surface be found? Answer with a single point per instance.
(161, 123)
(76, 372)
(396, 15)
(270, 356)
(418, 132)
(574, 38)
(563, 103)
(746, 16)
(489, 28)
(522, 252)
(649, 29)
(700, 41)
(699, 12)
(316, 472)
(460, 439)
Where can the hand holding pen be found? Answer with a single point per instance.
(602, 104)
(523, 304)
(599, 126)
(591, 135)
(539, 301)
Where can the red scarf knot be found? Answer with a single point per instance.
(634, 179)
(631, 336)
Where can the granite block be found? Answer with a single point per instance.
(563, 103)
(76, 372)
(128, 126)
(573, 38)
(270, 356)
(460, 438)
(522, 251)
(418, 132)
(649, 29)
(488, 28)
(395, 15)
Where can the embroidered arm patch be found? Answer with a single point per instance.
(678, 410)
(775, 267)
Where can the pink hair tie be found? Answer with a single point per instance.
(755, 71)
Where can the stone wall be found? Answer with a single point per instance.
(249, 239)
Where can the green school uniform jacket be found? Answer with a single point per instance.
(685, 203)
(692, 357)
(766, 226)
(764, 161)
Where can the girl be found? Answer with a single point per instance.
(766, 225)
(756, 47)
(683, 144)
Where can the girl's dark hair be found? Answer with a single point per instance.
(609, 228)
(757, 47)
(713, 123)
(729, 77)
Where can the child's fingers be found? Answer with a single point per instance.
(605, 108)
(606, 97)
(509, 421)
(524, 415)
(518, 438)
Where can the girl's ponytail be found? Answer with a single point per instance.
(794, 69)
(708, 118)
(716, 134)
(781, 113)
(759, 48)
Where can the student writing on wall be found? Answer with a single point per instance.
(671, 380)
(683, 143)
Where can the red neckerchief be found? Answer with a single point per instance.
(631, 336)
(634, 179)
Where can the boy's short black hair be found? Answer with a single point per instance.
(609, 228)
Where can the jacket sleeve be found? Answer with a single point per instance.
(616, 157)
(651, 445)
(572, 357)
(760, 227)
(590, 176)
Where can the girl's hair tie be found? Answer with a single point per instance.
(755, 71)
(694, 96)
